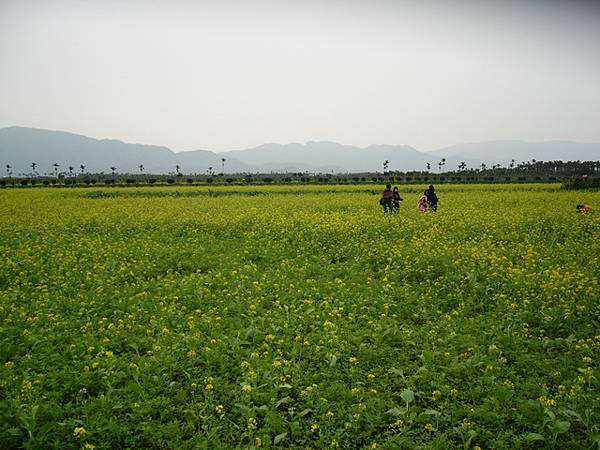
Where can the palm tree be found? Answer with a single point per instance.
(385, 165)
(33, 166)
(428, 166)
(223, 165)
(210, 170)
(462, 165)
(512, 164)
(8, 172)
(113, 170)
(483, 167)
(82, 167)
(71, 170)
(141, 167)
(443, 162)
(56, 166)
(177, 169)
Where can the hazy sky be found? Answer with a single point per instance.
(225, 75)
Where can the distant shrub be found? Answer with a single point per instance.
(189, 180)
(267, 180)
(582, 183)
(209, 180)
(130, 181)
(46, 182)
(151, 180)
(24, 182)
(230, 180)
(248, 180)
(170, 180)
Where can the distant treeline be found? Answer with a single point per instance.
(574, 174)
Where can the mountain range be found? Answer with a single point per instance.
(20, 147)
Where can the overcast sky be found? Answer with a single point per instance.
(225, 75)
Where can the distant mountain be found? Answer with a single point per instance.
(19, 147)
(502, 152)
(332, 156)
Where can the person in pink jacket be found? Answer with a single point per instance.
(422, 204)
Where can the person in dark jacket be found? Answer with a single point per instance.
(386, 198)
(432, 198)
(396, 199)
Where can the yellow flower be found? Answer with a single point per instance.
(246, 389)
(79, 432)
(219, 409)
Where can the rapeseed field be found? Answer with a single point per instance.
(299, 317)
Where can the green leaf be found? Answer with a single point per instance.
(561, 426)
(531, 437)
(408, 396)
(279, 438)
(595, 438)
(431, 412)
(282, 401)
(397, 411)
(305, 412)
(332, 361)
(395, 371)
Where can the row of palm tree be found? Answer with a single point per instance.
(113, 169)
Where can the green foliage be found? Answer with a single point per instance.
(246, 317)
(582, 183)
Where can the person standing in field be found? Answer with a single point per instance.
(396, 199)
(422, 203)
(432, 198)
(386, 198)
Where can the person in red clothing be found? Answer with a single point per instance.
(584, 208)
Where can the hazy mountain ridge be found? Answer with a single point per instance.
(19, 147)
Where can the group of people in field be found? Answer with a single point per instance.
(390, 199)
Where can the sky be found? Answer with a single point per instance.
(227, 75)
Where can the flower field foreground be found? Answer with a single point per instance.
(298, 317)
